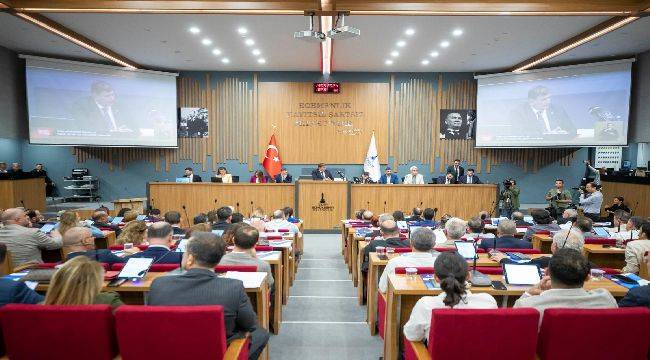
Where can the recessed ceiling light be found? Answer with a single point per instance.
(261, 61)
(444, 44)
(409, 32)
(242, 31)
(249, 42)
(225, 60)
(457, 32)
(434, 54)
(425, 62)
(256, 52)
(194, 30)
(394, 53)
(216, 52)
(401, 43)
(206, 42)
(388, 62)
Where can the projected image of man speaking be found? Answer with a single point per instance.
(540, 118)
(100, 113)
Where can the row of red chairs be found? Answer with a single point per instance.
(134, 332)
(565, 334)
(479, 250)
(166, 267)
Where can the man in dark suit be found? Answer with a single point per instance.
(541, 118)
(224, 218)
(321, 173)
(389, 237)
(456, 170)
(283, 177)
(446, 179)
(189, 173)
(452, 128)
(506, 238)
(389, 177)
(518, 218)
(470, 178)
(159, 236)
(15, 292)
(99, 112)
(79, 241)
(173, 218)
(201, 286)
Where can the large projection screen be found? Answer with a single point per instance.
(76, 103)
(571, 106)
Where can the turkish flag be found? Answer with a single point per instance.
(272, 163)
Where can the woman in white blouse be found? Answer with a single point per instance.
(452, 273)
(223, 174)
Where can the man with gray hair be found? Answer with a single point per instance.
(413, 177)
(505, 239)
(389, 238)
(569, 217)
(23, 242)
(79, 241)
(280, 222)
(563, 239)
(367, 215)
(518, 218)
(423, 255)
(384, 217)
(455, 228)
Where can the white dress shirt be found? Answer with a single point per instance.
(634, 252)
(408, 179)
(413, 259)
(107, 112)
(419, 324)
(567, 298)
(544, 116)
(470, 179)
(276, 224)
(591, 204)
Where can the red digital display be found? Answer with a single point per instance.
(333, 88)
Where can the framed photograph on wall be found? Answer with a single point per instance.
(457, 124)
(193, 122)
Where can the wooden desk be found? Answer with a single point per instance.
(288, 264)
(611, 257)
(404, 292)
(542, 243)
(322, 204)
(362, 282)
(275, 260)
(136, 204)
(28, 193)
(107, 241)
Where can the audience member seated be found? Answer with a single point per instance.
(621, 218)
(122, 212)
(236, 218)
(570, 239)
(428, 214)
(416, 215)
(398, 215)
(197, 227)
(224, 216)
(485, 215)
(367, 215)
(79, 241)
(634, 223)
(36, 220)
(228, 235)
(288, 214)
(201, 286)
(258, 177)
(569, 216)
(279, 222)
(173, 218)
(159, 237)
(542, 222)
(389, 238)
(258, 213)
(618, 204)
(452, 273)
(246, 238)
(24, 243)
(100, 220)
(422, 242)
(15, 292)
(640, 295)
(518, 218)
(506, 239)
(153, 215)
(446, 179)
(563, 286)
(129, 216)
(584, 225)
(201, 218)
(455, 228)
(134, 233)
(635, 250)
(80, 282)
(70, 219)
(476, 230)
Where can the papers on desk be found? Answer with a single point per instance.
(17, 276)
(250, 279)
(280, 243)
(265, 254)
(522, 230)
(440, 236)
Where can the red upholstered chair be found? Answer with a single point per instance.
(153, 268)
(574, 334)
(264, 248)
(421, 270)
(121, 247)
(403, 250)
(53, 265)
(490, 270)
(381, 313)
(443, 249)
(523, 251)
(543, 232)
(58, 332)
(600, 241)
(274, 237)
(610, 271)
(242, 268)
(175, 332)
(517, 334)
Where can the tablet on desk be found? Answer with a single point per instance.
(141, 217)
(47, 228)
(601, 231)
(117, 220)
(135, 268)
(466, 249)
(521, 274)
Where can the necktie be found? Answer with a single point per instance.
(540, 117)
(412, 179)
(322, 174)
(447, 181)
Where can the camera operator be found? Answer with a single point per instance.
(509, 198)
(591, 199)
(558, 198)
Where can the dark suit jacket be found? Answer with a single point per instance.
(372, 247)
(101, 255)
(221, 225)
(195, 178)
(441, 180)
(16, 292)
(638, 296)
(288, 179)
(160, 255)
(315, 175)
(177, 231)
(89, 117)
(463, 180)
(527, 122)
(541, 262)
(394, 179)
(461, 171)
(506, 242)
(522, 223)
(204, 287)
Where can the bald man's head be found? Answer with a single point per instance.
(160, 233)
(388, 229)
(14, 216)
(78, 236)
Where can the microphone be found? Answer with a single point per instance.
(131, 204)
(251, 212)
(186, 217)
(568, 232)
(215, 202)
(237, 206)
(384, 206)
(435, 213)
(631, 210)
(23, 204)
(152, 205)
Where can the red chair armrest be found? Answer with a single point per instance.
(415, 350)
(237, 350)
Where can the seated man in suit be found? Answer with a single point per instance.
(456, 170)
(572, 239)
(446, 179)
(413, 177)
(506, 239)
(416, 215)
(321, 173)
(246, 238)
(24, 243)
(428, 221)
(455, 229)
(585, 226)
(389, 177)
(476, 230)
(79, 241)
(470, 178)
(567, 272)
(100, 220)
(283, 176)
(278, 221)
(636, 249)
(159, 237)
(189, 173)
(224, 218)
(15, 292)
(518, 218)
(389, 238)
(201, 286)
(173, 218)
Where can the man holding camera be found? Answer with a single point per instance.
(509, 198)
(591, 199)
(558, 198)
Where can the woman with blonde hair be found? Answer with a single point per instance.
(70, 219)
(134, 233)
(258, 213)
(79, 282)
(197, 227)
(130, 216)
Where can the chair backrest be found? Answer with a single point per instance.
(610, 271)
(121, 247)
(403, 250)
(421, 270)
(153, 268)
(516, 327)
(571, 334)
(600, 241)
(543, 232)
(263, 248)
(490, 270)
(197, 332)
(241, 268)
(8, 265)
(443, 249)
(58, 332)
(523, 251)
(106, 266)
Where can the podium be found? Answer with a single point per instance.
(137, 204)
(322, 204)
(29, 193)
